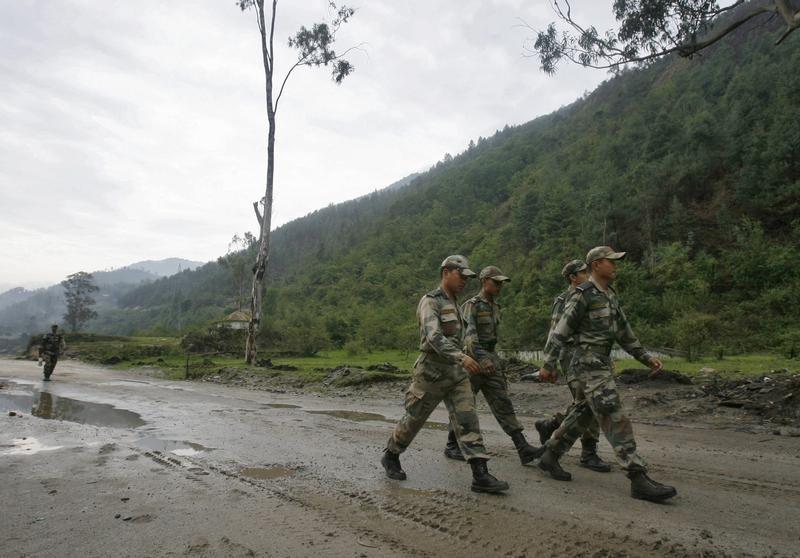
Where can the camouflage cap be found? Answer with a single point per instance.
(494, 273)
(458, 262)
(575, 266)
(603, 253)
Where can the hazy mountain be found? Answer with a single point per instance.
(23, 310)
(166, 267)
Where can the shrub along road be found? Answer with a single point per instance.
(102, 462)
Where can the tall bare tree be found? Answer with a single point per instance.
(314, 48)
(650, 29)
(78, 289)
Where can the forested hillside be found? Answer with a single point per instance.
(689, 165)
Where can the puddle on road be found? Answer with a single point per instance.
(266, 473)
(43, 404)
(280, 406)
(361, 416)
(25, 446)
(184, 449)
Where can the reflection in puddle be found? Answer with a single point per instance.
(266, 473)
(25, 446)
(184, 449)
(360, 416)
(45, 405)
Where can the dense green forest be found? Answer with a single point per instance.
(689, 165)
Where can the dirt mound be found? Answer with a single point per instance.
(773, 396)
(344, 376)
(517, 370)
(385, 367)
(637, 376)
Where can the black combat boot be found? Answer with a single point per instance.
(549, 462)
(591, 460)
(451, 450)
(391, 462)
(645, 488)
(527, 452)
(482, 481)
(546, 427)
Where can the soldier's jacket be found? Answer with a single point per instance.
(441, 328)
(594, 320)
(481, 320)
(559, 303)
(52, 343)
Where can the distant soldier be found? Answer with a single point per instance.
(481, 316)
(440, 374)
(576, 273)
(594, 319)
(50, 349)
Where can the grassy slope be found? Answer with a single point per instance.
(164, 353)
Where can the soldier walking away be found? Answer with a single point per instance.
(481, 316)
(594, 319)
(50, 349)
(440, 374)
(576, 273)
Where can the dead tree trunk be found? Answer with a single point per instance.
(265, 221)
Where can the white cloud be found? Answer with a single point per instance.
(136, 130)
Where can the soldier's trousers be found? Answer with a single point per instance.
(495, 389)
(49, 365)
(591, 436)
(596, 397)
(422, 398)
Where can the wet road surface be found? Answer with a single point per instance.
(101, 463)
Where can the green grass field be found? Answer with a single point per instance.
(165, 353)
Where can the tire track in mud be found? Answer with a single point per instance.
(750, 484)
(418, 522)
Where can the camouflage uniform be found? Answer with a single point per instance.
(50, 349)
(482, 318)
(591, 436)
(594, 319)
(439, 376)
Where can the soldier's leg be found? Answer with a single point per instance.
(460, 403)
(604, 399)
(49, 365)
(495, 389)
(419, 404)
(602, 396)
(578, 418)
(589, 441)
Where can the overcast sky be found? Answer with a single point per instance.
(137, 130)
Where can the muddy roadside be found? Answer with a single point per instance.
(765, 403)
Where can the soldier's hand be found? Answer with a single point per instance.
(471, 365)
(548, 375)
(488, 366)
(655, 366)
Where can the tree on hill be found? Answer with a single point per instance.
(236, 260)
(650, 29)
(314, 48)
(78, 289)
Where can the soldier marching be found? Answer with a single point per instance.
(458, 359)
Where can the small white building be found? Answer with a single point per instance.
(235, 320)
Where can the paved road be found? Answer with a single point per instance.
(106, 463)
